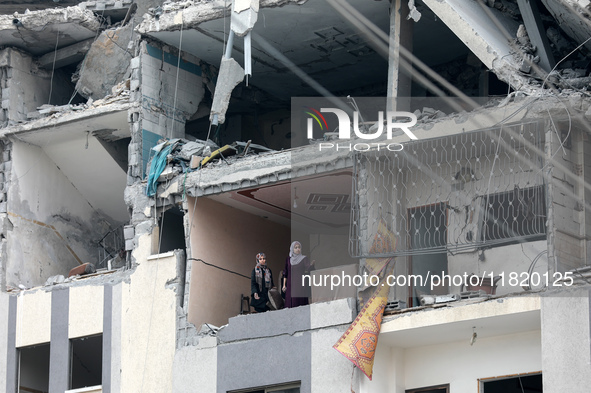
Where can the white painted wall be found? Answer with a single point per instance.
(566, 342)
(33, 318)
(85, 311)
(456, 363)
(148, 323)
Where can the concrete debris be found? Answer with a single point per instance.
(244, 16)
(576, 83)
(576, 73)
(196, 148)
(120, 94)
(231, 74)
(168, 173)
(207, 329)
(522, 36)
(414, 13)
(561, 44)
(53, 280)
(507, 7)
(106, 63)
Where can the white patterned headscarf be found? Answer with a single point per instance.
(294, 258)
(262, 272)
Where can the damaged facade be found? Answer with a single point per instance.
(158, 146)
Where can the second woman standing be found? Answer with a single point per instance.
(296, 265)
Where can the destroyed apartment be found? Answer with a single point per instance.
(429, 156)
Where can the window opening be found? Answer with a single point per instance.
(34, 369)
(173, 231)
(515, 216)
(86, 361)
(527, 383)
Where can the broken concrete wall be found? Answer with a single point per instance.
(291, 344)
(568, 210)
(38, 32)
(165, 103)
(228, 238)
(53, 228)
(171, 91)
(24, 86)
(5, 223)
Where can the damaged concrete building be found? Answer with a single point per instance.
(150, 149)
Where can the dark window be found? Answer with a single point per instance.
(86, 361)
(514, 217)
(518, 384)
(34, 369)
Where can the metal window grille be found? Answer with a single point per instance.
(453, 193)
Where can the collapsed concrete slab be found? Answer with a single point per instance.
(66, 56)
(106, 63)
(39, 32)
(573, 18)
(231, 74)
(175, 16)
(473, 23)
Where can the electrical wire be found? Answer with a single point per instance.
(217, 267)
(57, 40)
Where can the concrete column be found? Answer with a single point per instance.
(399, 82)
(8, 310)
(59, 358)
(107, 337)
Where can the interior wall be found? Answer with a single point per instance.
(457, 363)
(228, 238)
(488, 357)
(272, 129)
(54, 228)
(330, 250)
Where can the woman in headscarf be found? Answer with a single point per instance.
(261, 280)
(296, 265)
